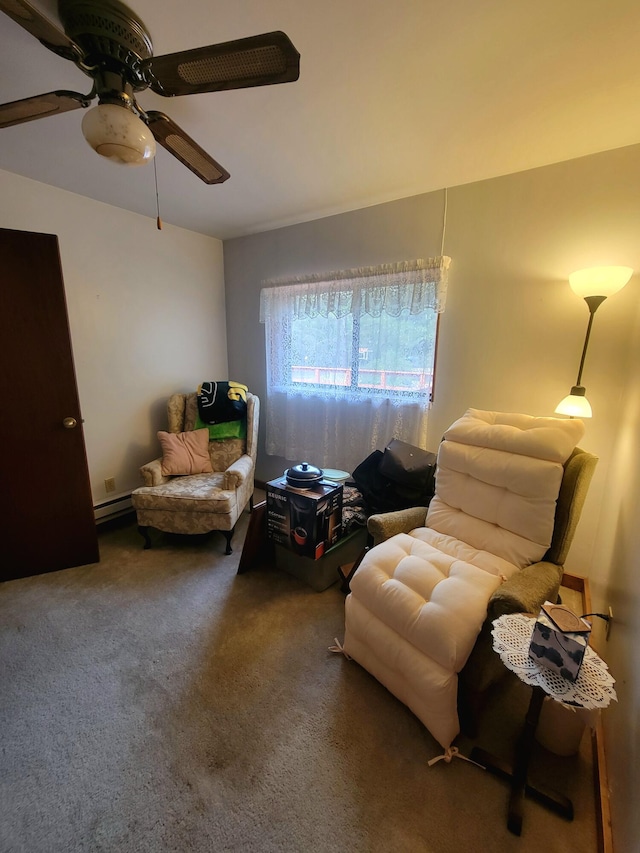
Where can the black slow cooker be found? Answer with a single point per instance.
(304, 475)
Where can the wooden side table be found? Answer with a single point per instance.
(258, 548)
(592, 689)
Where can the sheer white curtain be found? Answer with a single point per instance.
(326, 402)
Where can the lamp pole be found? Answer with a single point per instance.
(593, 303)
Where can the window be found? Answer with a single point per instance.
(350, 359)
(399, 353)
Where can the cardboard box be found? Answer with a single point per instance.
(559, 640)
(322, 573)
(306, 521)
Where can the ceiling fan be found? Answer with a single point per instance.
(109, 43)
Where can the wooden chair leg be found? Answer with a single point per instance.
(227, 535)
(144, 532)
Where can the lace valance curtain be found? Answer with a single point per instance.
(338, 424)
(414, 285)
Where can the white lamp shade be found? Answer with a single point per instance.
(575, 405)
(118, 134)
(599, 281)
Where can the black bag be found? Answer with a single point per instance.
(373, 487)
(409, 466)
(381, 493)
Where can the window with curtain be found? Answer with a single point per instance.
(350, 359)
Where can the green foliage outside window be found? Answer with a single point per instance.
(385, 352)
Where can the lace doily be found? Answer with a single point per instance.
(593, 687)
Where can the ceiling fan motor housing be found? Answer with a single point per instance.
(112, 37)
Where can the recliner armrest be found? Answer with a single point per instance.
(384, 525)
(238, 472)
(152, 473)
(526, 590)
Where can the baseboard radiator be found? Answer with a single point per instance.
(108, 510)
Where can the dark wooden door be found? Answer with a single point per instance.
(46, 514)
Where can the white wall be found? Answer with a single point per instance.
(511, 339)
(147, 316)
(618, 553)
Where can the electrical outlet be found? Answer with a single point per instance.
(110, 484)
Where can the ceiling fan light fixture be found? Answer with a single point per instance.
(110, 43)
(117, 133)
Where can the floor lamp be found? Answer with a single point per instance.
(594, 285)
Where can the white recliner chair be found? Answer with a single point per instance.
(419, 599)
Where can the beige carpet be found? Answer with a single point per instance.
(157, 701)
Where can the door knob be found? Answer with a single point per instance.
(69, 423)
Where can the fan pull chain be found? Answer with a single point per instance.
(158, 220)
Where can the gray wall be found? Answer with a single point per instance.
(510, 340)
(367, 237)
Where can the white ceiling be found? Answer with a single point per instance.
(394, 99)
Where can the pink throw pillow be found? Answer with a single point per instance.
(185, 452)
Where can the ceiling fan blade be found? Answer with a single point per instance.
(41, 27)
(41, 106)
(175, 140)
(255, 61)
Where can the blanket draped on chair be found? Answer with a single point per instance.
(220, 402)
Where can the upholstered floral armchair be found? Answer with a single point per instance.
(213, 489)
